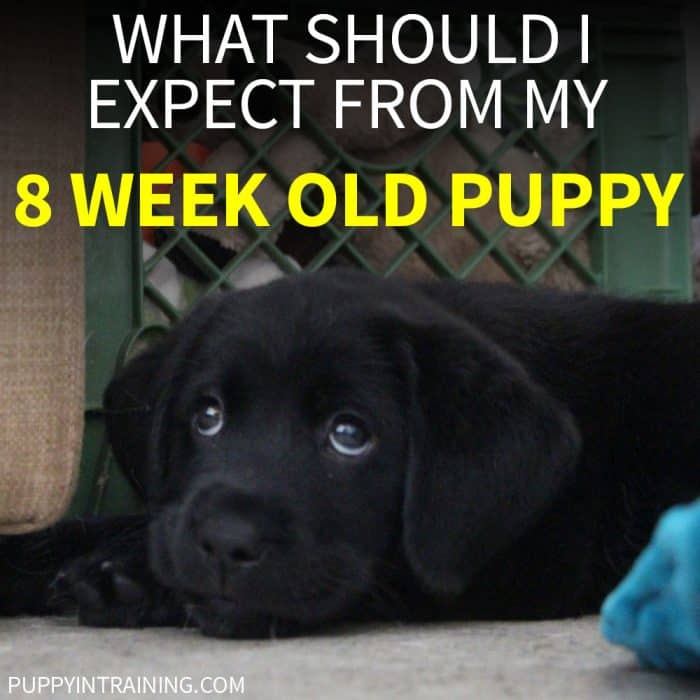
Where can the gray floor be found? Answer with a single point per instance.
(563, 660)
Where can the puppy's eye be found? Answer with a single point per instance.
(209, 418)
(349, 436)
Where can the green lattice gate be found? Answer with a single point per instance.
(636, 131)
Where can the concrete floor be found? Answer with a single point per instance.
(563, 660)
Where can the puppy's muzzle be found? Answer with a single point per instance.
(230, 528)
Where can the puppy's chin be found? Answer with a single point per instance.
(218, 617)
(227, 617)
(291, 596)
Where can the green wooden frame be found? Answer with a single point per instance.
(642, 127)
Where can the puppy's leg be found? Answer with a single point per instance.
(112, 585)
(29, 563)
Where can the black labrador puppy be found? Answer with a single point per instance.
(335, 446)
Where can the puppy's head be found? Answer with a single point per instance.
(298, 437)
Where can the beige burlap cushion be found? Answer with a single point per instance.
(42, 126)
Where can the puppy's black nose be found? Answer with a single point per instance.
(230, 540)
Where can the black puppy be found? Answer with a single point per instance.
(335, 446)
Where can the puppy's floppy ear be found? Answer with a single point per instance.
(131, 399)
(129, 402)
(491, 450)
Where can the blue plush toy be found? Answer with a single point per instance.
(655, 611)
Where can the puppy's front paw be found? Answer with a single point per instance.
(117, 591)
